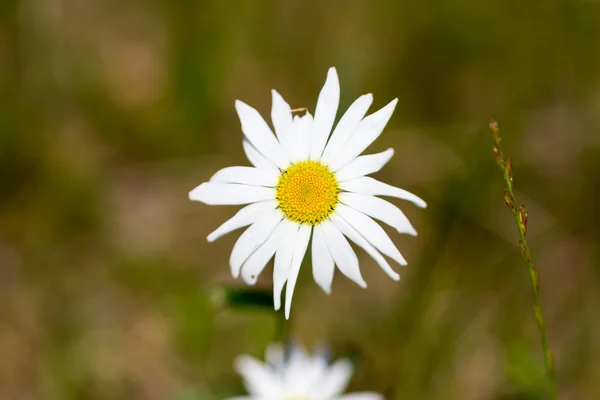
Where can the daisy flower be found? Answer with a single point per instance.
(296, 376)
(309, 182)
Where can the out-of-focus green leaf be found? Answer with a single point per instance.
(237, 298)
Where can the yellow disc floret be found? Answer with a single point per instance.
(307, 192)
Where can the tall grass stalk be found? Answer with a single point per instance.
(520, 215)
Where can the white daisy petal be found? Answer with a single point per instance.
(257, 159)
(323, 266)
(316, 368)
(246, 176)
(361, 396)
(259, 379)
(357, 238)
(367, 131)
(229, 193)
(344, 129)
(342, 253)
(246, 216)
(325, 113)
(364, 165)
(281, 115)
(299, 250)
(297, 354)
(303, 136)
(371, 231)
(299, 375)
(335, 380)
(259, 134)
(275, 355)
(283, 260)
(298, 363)
(259, 259)
(370, 186)
(297, 151)
(251, 239)
(304, 374)
(379, 209)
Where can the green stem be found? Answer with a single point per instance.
(533, 274)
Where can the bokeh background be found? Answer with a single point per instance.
(111, 111)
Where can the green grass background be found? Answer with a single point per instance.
(111, 111)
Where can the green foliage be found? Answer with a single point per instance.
(111, 112)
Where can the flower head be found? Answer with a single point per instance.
(296, 376)
(309, 182)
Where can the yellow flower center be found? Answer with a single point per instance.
(307, 192)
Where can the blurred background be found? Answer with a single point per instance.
(111, 111)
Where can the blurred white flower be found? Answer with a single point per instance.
(297, 376)
(306, 182)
